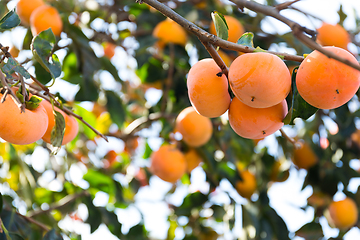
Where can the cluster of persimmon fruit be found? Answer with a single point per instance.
(37, 122)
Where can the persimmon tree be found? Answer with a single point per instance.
(135, 66)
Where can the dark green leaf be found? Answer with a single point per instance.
(137, 232)
(33, 102)
(310, 231)
(94, 217)
(221, 27)
(110, 219)
(41, 73)
(246, 39)
(99, 181)
(299, 107)
(193, 200)
(342, 15)
(12, 66)
(1, 202)
(57, 133)
(52, 235)
(10, 20)
(108, 66)
(42, 47)
(116, 108)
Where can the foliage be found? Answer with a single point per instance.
(42, 193)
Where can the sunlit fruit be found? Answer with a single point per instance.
(192, 160)
(236, 29)
(21, 128)
(208, 88)
(24, 9)
(45, 17)
(326, 83)
(195, 129)
(109, 49)
(168, 163)
(247, 186)
(256, 123)
(71, 125)
(303, 156)
(333, 35)
(259, 80)
(169, 31)
(343, 213)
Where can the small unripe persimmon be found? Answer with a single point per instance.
(168, 163)
(256, 123)
(327, 83)
(45, 17)
(259, 80)
(208, 88)
(247, 186)
(195, 129)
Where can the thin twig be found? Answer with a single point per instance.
(169, 79)
(285, 5)
(296, 28)
(215, 55)
(9, 90)
(64, 201)
(291, 140)
(39, 224)
(207, 37)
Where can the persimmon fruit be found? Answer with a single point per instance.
(109, 49)
(326, 83)
(208, 88)
(24, 8)
(169, 31)
(45, 17)
(71, 125)
(168, 163)
(195, 129)
(235, 31)
(343, 213)
(247, 186)
(333, 35)
(21, 128)
(256, 123)
(303, 156)
(259, 80)
(192, 160)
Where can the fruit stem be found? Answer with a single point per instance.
(291, 140)
(8, 90)
(215, 55)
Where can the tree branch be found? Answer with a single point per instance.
(296, 28)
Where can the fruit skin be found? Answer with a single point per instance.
(168, 163)
(21, 128)
(304, 157)
(24, 9)
(169, 31)
(326, 83)
(333, 35)
(45, 17)
(247, 186)
(109, 49)
(236, 29)
(208, 88)
(192, 160)
(71, 125)
(195, 129)
(259, 79)
(344, 213)
(256, 123)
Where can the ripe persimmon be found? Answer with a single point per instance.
(326, 83)
(109, 49)
(192, 160)
(259, 80)
(343, 214)
(333, 35)
(71, 125)
(208, 88)
(256, 123)
(21, 128)
(195, 129)
(24, 9)
(304, 157)
(169, 31)
(247, 186)
(235, 31)
(168, 163)
(45, 17)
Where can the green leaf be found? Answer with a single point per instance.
(1, 202)
(33, 102)
(108, 66)
(10, 20)
(52, 235)
(12, 66)
(42, 47)
(191, 201)
(310, 231)
(221, 27)
(57, 133)
(342, 15)
(94, 217)
(42, 74)
(89, 117)
(148, 151)
(99, 181)
(259, 49)
(110, 219)
(247, 39)
(116, 108)
(299, 108)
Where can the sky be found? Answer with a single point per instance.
(286, 198)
